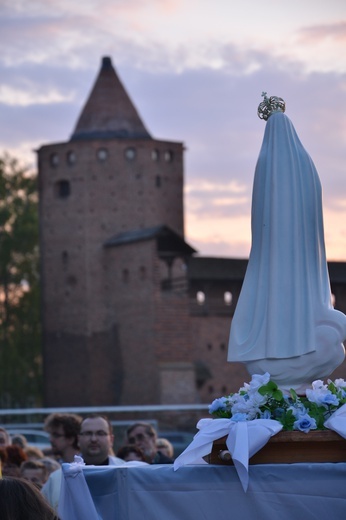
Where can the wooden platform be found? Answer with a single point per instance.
(289, 447)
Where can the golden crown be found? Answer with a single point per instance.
(270, 105)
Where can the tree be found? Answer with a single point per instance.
(20, 331)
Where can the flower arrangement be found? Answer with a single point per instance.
(263, 399)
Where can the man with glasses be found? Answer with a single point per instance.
(96, 441)
(144, 436)
(96, 445)
(63, 429)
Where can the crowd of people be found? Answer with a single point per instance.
(35, 475)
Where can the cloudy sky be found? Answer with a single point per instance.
(195, 69)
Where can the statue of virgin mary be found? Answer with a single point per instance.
(284, 322)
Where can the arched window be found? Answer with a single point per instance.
(200, 297)
(54, 160)
(155, 155)
(228, 297)
(62, 189)
(102, 154)
(168, 156)
(130, 153)
(71, 157)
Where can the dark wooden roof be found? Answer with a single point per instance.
(214, 269)
(169, 243)
(109, 111)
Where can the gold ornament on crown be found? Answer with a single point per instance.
(269, 106)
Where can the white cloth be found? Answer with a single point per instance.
(244, 439)
(76, 501)
(337, 421)
(73, 484)
(213, 492)
(284, 308)
(52, 488)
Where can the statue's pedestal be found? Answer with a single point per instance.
(289, 447)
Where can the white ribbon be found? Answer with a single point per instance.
(244, 439)
(337, 421)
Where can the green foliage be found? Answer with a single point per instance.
(20, 334)
(272, 390)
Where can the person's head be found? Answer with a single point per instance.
(95, 439)
(164, 446)
(50, 464)
(144, 436)
(33, 453)
(21, 500)
(63, 429)
(130, 452)
(14, 458)
(5, 439)
(34, 471)
(19, 440)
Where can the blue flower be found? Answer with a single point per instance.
(238, 417)
(266, 414)
(218, 404)
(278, 413)
(305, 423)
(330, 399)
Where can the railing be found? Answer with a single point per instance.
(106, 409)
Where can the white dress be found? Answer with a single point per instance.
(284, 322)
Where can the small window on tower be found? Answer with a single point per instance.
(130, 153)
(62, 189)
(155, 155)
(71, 157)
(54, 160)
(168, 156)
(102, 154)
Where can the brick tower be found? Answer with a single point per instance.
(113, 260)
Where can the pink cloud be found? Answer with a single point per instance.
(317, 33)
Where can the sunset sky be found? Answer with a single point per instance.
(195, 70)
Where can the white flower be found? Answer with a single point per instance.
(319, 386)
(258, 380)
(257, 399)
(340, 383)
(247, 404)
(321, 395)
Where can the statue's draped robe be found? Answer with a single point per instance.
(284, 309)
